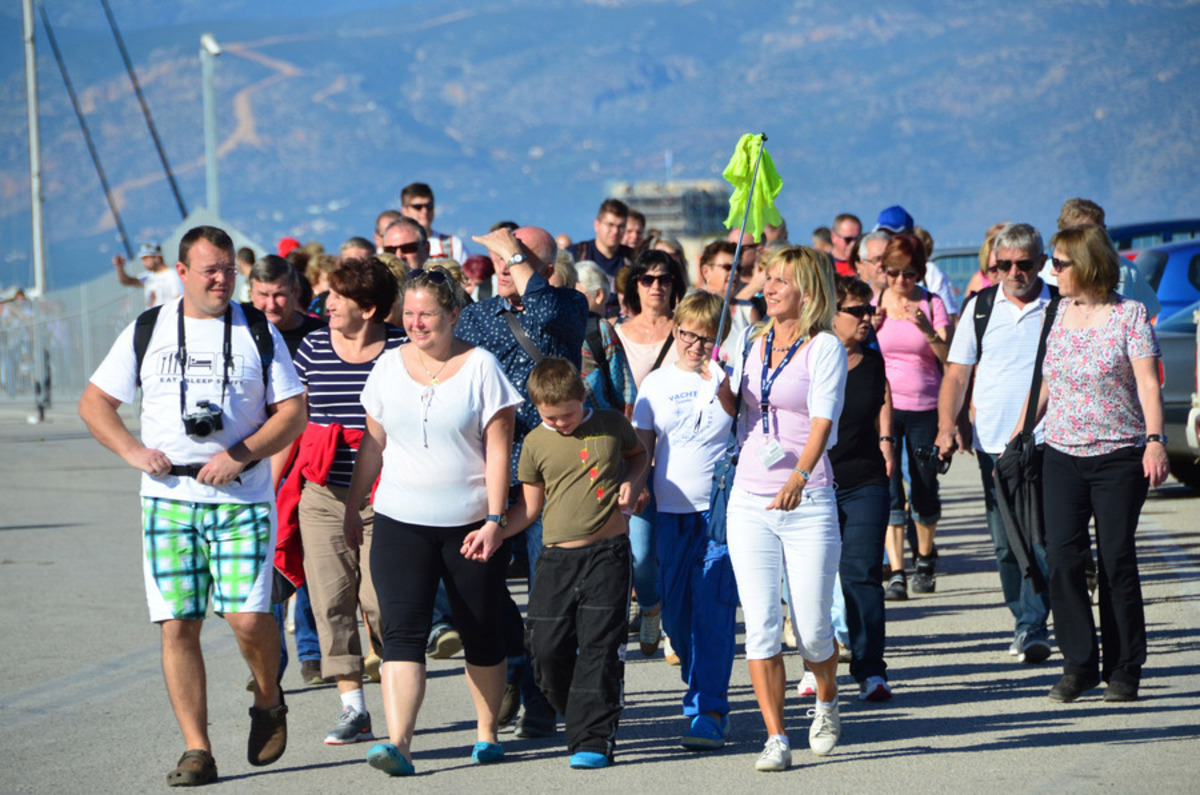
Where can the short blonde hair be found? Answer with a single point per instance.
(1095, 263)
(812, 274)
(704, 309)
(989, 240)
(553, 382)
(321, 264)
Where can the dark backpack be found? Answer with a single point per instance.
(985, 301)
(260, 329)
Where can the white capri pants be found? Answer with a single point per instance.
(808, 541)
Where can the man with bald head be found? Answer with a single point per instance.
(525, 321)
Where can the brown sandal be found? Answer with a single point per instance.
(195, 768)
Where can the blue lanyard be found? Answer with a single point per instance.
(768, 382)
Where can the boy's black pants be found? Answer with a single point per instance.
(576, 629)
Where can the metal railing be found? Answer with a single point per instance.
(78, 325)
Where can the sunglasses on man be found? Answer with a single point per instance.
(403, 248)
(1023, 265)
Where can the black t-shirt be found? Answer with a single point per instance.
(587, 250)
(293, 337)
(856, 458)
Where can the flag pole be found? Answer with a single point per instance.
(737, 254)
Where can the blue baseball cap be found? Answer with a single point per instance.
(894, 219)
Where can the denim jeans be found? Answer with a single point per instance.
(914, 429)
(863, 514)
(645, 555)
(1031, 610)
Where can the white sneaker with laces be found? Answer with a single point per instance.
(808, 685)
(776, 756)
(826, 729)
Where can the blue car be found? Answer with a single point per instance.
(1173, 270)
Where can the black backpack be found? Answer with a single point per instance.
(260, 329)
(985, 301)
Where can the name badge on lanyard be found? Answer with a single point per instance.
(772, 453)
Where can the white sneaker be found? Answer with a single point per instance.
(875, 689)
(776, 756)
(808, 685)
(825, 731)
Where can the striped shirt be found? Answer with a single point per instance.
(334, 390)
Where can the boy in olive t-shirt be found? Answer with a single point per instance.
(583, 467)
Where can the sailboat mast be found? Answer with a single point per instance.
(35, 153)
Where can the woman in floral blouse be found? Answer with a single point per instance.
(1104, 448)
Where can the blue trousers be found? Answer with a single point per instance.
(1031, 610)
(699, 609)
(863, 516)
(645, 561)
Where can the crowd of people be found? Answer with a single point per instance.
(405, 426)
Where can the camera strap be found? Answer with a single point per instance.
(183, 358)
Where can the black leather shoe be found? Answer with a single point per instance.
(1071, 687)
(1120, 691)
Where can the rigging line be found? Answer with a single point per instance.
(162, 155)
(87, 135)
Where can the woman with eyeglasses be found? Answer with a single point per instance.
(1103, 412)
(654, 286)
(334, 364)
(782, 509)
(683, 414)
(439, 430)
(862, 463)
(914, 337)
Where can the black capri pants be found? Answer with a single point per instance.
(407, 560)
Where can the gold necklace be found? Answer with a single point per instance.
(433, 377)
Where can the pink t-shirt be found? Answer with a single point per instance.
(912, 367)
(810, 386)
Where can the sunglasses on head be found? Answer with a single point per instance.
(648, 279)
(865, 310)
(435, 275)
(403, 248)
(1023, 265)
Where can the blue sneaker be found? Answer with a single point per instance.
(589, 760)
(705, 733)
(387, 757)
(486, 753)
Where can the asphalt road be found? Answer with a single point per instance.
(83, 707)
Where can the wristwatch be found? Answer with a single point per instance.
(1161, 438)
(516, 259)
(807, 475)
(499, 518)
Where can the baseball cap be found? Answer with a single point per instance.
(894, 219)
(150, 250)
(286, 245)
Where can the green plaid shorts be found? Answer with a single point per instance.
(192, 549)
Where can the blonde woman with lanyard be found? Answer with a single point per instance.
(782, 509)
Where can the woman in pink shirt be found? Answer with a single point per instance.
(914, 338)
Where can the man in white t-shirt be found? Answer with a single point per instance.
(1003, 367)
(159, 283)
(214, 409)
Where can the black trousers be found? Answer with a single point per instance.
(407, 561)
(576, 629)
(1111, 487)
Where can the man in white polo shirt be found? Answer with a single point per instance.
(1003, 367)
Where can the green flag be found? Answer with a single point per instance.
(739, 173)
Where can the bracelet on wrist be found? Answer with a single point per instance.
(891, 439)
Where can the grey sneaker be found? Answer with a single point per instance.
(1033, 651)
(825, 731)
(650, 633)
(776, 756)
(352, 727)
(897, 588)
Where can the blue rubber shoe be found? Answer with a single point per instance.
(705, 733)
(589, 760)
(387, 757)
(486, 753)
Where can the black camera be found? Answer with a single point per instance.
(929, 460)
(203, 421)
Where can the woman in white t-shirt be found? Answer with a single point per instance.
(683, 413)
(439, 434)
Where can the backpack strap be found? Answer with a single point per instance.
(143, 329)
(595, 345)
(985, 301)
(260, 330)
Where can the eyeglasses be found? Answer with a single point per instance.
(1060, 265)
(419, 206)
(403, 248)
(212, 273)
(901, 274)
(725, 266)
(865, 310)
(648, 279)
(689, 338)
(1023, 265)
(435, 275)
(872, 260)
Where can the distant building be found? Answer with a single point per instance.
(692, 208)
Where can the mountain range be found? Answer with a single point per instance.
(964, 112)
